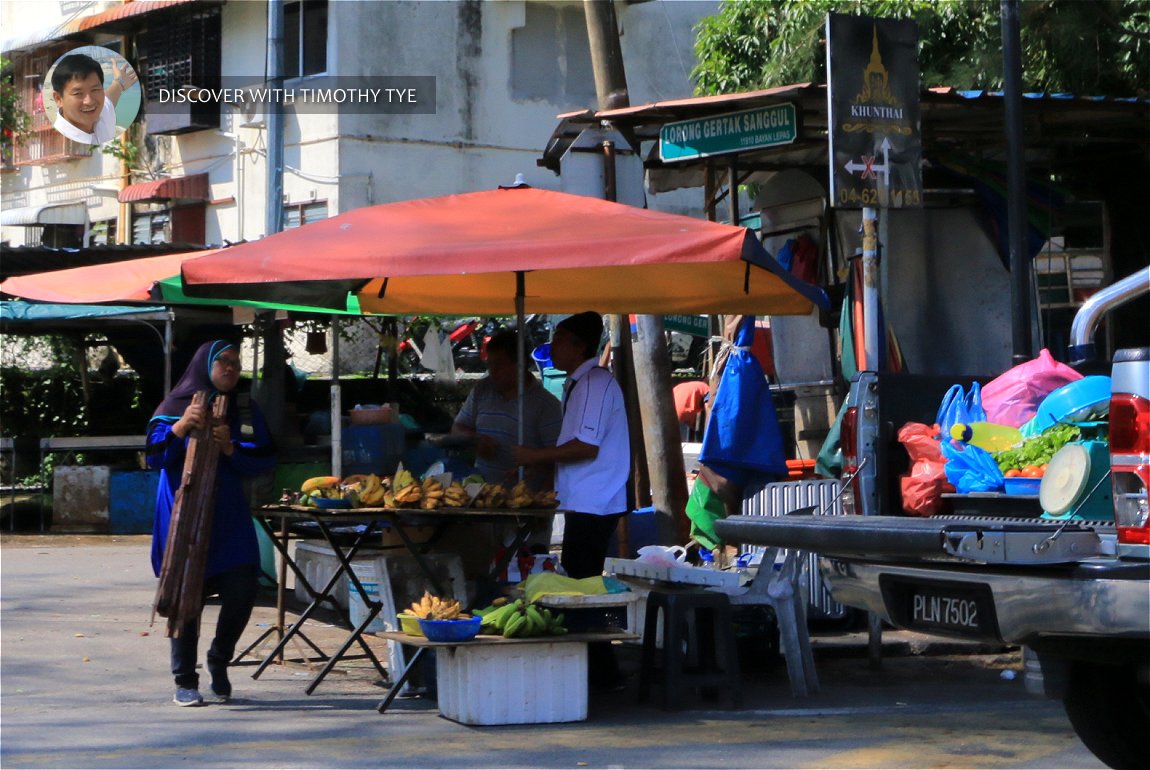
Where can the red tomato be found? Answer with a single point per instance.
(1012, 473)
(1031, 472)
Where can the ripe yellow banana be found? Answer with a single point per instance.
(317, 483)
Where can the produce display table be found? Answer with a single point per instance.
(491, 680)
(277, 521)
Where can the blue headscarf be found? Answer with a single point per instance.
(198, 376)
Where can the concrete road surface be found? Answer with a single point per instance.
(84, 683)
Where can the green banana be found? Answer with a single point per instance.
(514, 625)
(498, 617)
(538, 623)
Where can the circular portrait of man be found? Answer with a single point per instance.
(91, 95)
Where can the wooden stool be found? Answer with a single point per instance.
(698, 647)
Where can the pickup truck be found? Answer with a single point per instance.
(1075, 593)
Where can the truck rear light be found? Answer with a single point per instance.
(1130, 467)
(848, 441)
(1129, 424)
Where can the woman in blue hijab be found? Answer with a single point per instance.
(232, 569)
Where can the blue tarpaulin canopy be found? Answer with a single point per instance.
(19, 312)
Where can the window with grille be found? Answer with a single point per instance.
(103, 233)
(151, 227)
(177, 52)
(305, 38)
(298, 214)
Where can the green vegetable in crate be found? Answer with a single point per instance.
(1039, 449)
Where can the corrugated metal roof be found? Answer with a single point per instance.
(949, 117)
(193, 187)
(65, 213)
(129, 9)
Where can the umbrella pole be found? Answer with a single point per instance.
(521, 343)
(336, 406)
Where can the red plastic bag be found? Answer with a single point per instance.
(923, 485)
(1013, 397)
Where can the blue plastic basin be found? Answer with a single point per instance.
(1065, 404)
(451, 630)
(1020, 486)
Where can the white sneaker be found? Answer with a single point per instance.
(188, 696)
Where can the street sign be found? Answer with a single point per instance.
(698, 325)
(729, 133)
(872, 100)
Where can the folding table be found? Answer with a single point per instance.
(277, 521)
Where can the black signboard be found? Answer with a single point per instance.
(872, 97)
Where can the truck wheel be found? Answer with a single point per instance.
(1109, 707)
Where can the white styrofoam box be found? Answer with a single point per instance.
(401, 582)
(513, 684)
(318, 563)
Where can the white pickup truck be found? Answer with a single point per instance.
(1075, 592)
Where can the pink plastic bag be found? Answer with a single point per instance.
(1012, 398)
(923, 485)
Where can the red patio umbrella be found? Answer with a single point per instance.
(478, 252)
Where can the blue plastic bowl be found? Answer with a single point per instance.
(1064, 405)
(451, 630)
(1020, 486)
(330, 503)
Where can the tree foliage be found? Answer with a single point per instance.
(14, 121)
(1089, 48)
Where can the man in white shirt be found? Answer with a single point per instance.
(593, 458)
(86, 110)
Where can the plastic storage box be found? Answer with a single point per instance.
(513, 684)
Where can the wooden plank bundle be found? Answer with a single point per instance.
(180, 594)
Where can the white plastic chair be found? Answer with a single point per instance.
(784, 590)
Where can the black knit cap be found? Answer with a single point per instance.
(587, 327)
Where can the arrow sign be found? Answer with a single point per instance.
(870, 169)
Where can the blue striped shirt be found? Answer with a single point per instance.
(490, 414)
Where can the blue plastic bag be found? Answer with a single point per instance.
(960, 406)
(971, 469)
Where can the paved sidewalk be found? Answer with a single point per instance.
(84, 684)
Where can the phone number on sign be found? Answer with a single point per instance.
(870, 196)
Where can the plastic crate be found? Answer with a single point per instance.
(600, 612)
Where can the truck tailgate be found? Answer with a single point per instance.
(972, 539)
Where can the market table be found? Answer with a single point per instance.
(491, 680)
(278, 521)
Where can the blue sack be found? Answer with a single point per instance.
(960, 406)
(971, 469)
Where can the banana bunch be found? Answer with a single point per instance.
(406, 491)
(366, 490)
(521, 619)
(455, 496)
(320, 486)
(491, 496)
(520, 496)
(547, 499)
(433, 493)
(431, 607)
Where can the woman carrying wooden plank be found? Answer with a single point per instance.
(240, 444)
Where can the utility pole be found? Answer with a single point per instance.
(652, 367)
